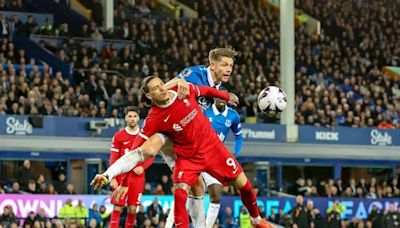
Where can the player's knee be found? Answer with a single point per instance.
(215, 191)
(182, 186)
(117, 208)
(132, 209)
(198, 189)
(240, 180)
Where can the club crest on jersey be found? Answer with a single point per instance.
(203, 102)
(187, 102)
(185, 73)
(228, 123)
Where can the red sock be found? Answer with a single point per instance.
(130, 220)
(249, 199)
(181, 214)
(114, 221)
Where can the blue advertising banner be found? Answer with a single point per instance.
(261, 133)
(350, 136)
(56, 126)
(24, 203)
(79, 127)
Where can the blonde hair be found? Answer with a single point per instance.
(217, 53)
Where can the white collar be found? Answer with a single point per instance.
(211, 80)
(216, 111)
(132, 132)
(175, 95)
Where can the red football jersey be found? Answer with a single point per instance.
(121, 143)
(184, 122)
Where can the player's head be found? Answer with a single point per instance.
(132, 116)
(220, 104)
(221, 63)
(153, 90)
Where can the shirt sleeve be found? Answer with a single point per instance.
(115, 147)
(237, 130)
(208, 91)
(190, 76)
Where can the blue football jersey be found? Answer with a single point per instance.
(200, 75)
(229, 119)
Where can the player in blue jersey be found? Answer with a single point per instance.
(223, 119)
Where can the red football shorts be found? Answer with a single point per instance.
(217, 161)
(135, 190)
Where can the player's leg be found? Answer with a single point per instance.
(196, 204)
(225, 168)
(116, 213)
(195, 200)
(186, 173)
(136, 186)
(215, 190)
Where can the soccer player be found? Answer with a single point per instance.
(222, 119)
(197, 147)
(221, 61)
(121, 144)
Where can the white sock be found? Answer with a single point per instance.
(170, 219)
(124, 164)
(196, 211)
(212, 214)
(256, 220)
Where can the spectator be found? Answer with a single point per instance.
(155, 209)
(41, 217)
(51, 189)
(67, 211)
(166, 185)
(60, 185)
(8, 217)
(15, 188)
(299, 213)
(94, 213)
(81, 213)
(28, 222)
(70, 189)
(141, 216)
(32, 187)
(159, 190)
(25, 174)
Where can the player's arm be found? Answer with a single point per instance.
(236, 128)
(143, 150)
(208, 91)
(115, 153)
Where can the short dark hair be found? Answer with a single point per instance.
(131, 109)
(145, 89)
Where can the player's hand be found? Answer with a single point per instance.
(114, 184)
(99, 180)
(120, 192)
(138, 170)
(183, 89)
(233, 99)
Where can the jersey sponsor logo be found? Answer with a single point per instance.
(228, 123)
(177, 127)
(189, 117)
(126, 143)
(166, 119)
(14, 126)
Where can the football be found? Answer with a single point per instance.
(272, 100)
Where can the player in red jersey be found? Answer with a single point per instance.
(121, 144)
(196, 145)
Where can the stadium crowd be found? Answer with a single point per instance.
(339, 78)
